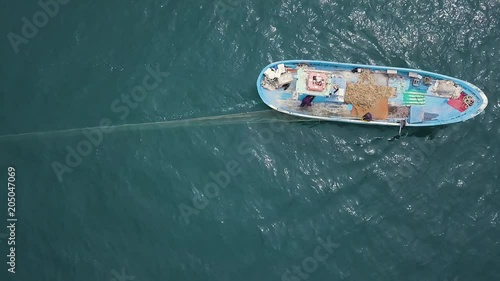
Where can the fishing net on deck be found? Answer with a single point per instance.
(364, 94)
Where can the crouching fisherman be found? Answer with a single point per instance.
(307, 101)
(367, 117)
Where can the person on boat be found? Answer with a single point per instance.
(367, 117)
(307, 101)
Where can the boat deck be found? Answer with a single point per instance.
(388, 95)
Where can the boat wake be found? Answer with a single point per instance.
(263, 116)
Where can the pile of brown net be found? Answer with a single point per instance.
(365, 93)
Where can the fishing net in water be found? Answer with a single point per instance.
(365, 93)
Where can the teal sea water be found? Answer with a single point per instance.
(275, 198)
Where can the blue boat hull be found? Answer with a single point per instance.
(400, 96)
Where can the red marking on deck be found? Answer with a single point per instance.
(458, 104)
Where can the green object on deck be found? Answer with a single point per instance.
(413, 98)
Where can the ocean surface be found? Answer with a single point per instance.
(238, 191)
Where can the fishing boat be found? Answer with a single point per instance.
(368, 94)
